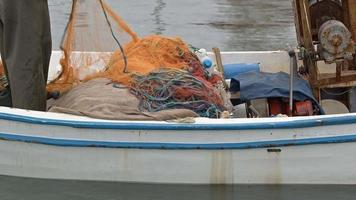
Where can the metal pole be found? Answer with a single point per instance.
(293, 67)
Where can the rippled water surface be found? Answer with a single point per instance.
(12, 188)
(228, 24)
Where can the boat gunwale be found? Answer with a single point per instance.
(141, 125)
(177, 146)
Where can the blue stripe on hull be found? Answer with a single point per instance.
(172, 146)
(340, 120)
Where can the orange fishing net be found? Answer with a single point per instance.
(91, 37)
(145, 55)
(161, 71)
(93, 32)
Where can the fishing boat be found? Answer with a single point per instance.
(281, 150)
(43, 149)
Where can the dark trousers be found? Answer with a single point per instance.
(25, 47)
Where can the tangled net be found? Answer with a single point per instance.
(172, 88)
(148, 54)
(161, 71)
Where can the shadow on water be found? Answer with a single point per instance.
(157, 14)
(12, 188)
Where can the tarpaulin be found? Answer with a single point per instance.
(258, 85)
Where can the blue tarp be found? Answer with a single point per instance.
(231, 70)
(257, 85)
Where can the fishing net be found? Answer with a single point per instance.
(148, 54)
(168, 88)
(161, 71)
(98, 43)
(93, 32)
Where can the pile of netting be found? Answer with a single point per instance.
(171, 88)
(151, 53)
(161, 71)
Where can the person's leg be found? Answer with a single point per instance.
(25, 46)
(46, 40)
(5, 95)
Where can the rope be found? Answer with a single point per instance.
(114, 36)
(176, 89)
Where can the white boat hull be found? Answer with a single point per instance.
(300, 150)
(317, 164)
(207, 152)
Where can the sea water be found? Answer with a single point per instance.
(231, 25)
(13, 188)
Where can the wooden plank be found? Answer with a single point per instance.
(352, 17)
(346, 81)
(220, 65)
(350, 10)
(302, 7)
(338, 71)
(345, 10)
(341, 85)
(306, 24)
(332, 75)
(297, 18)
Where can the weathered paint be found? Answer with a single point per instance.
(177, 146)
